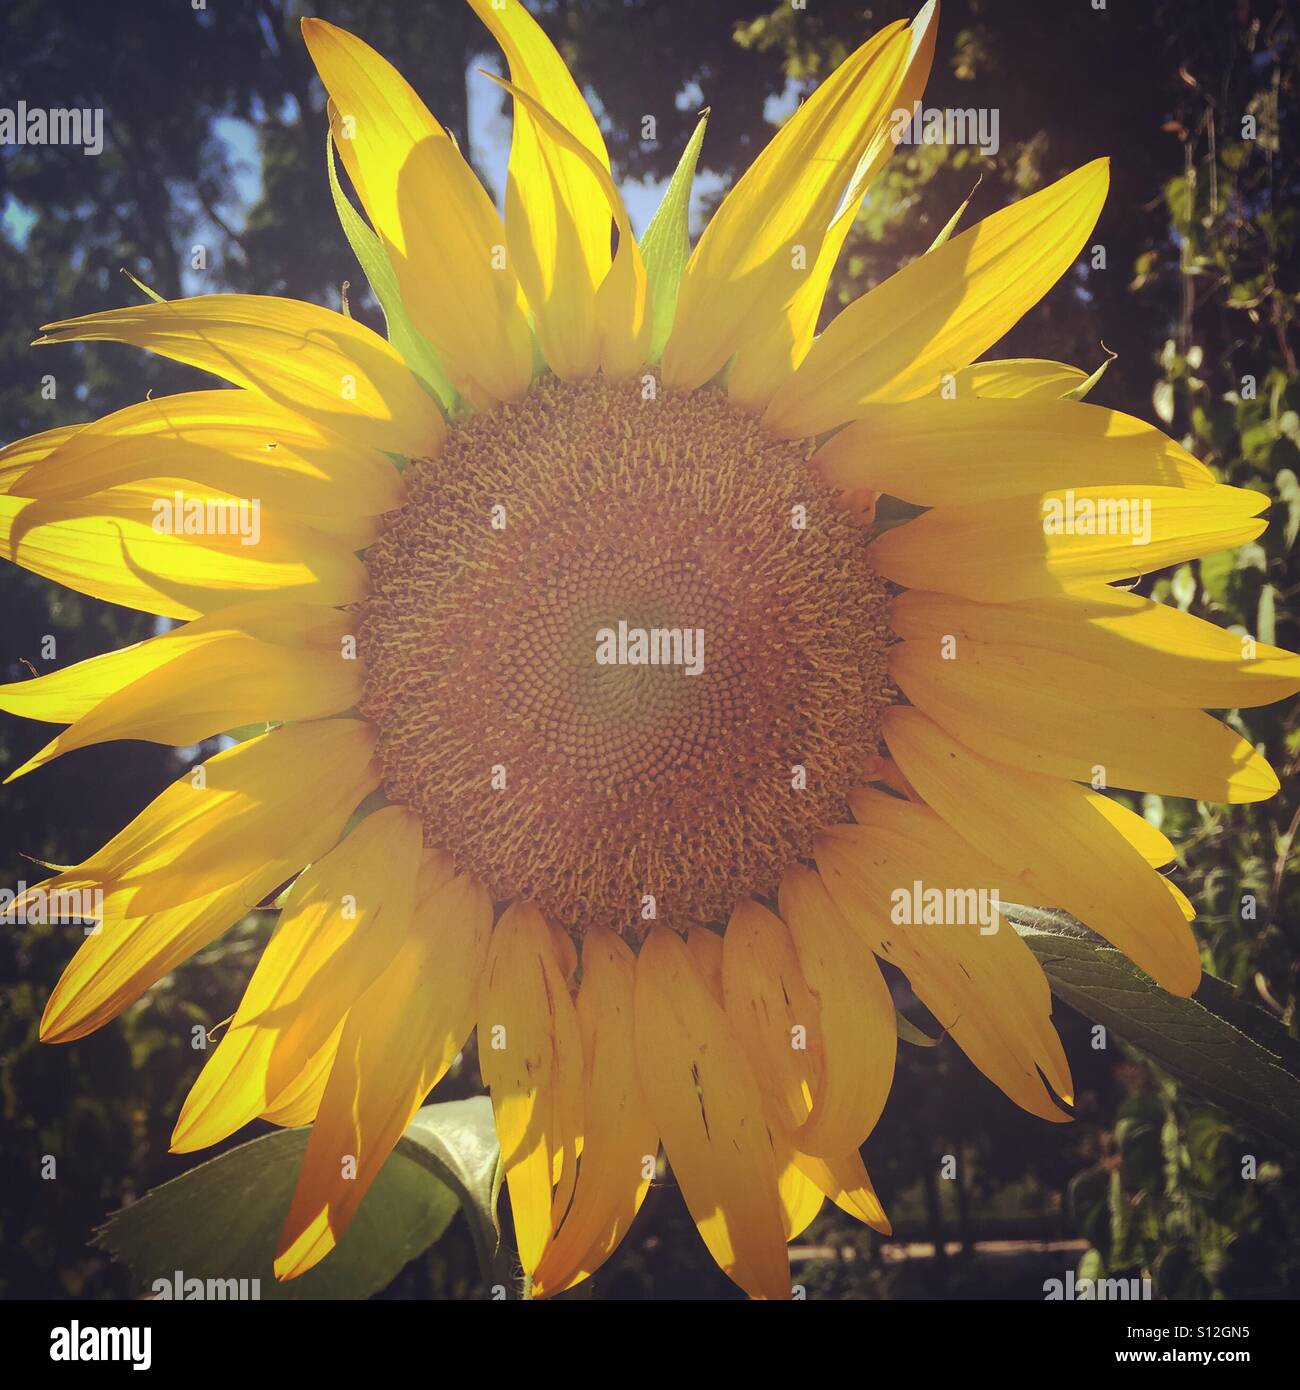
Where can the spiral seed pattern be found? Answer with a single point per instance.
(587, 788)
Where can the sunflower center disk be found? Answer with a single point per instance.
(625, 655)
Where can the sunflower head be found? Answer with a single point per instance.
(611, 725)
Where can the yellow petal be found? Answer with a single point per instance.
(566, 956)
(332, 370)
(978, 978)
(201, 830)
(981, 971)
(442, 234)
(530, 1052)
(859, 1035)
(620, 1142)
(269, 806)
(844, 1180)
(891, 818)
(63, 695)
(1185, 904)
(1156, 848)
(946, 452)
(216, 673)
(772, 1011)
(1052, 713)
(585, 315)
(148, 500)
(939, 313)
(343, 922)
(706, 947)
(800, 1197)
(19, 458)
(706, 1103)
(399, 1039)
(233, 441)
(1016, 378)
(764, 243)
(1048, 832)
(779, 341)
(558, 202)
(115, 965)
(298, 1103)
(122, 546)
(1002, 549)
(537, 69)
(1190, 661)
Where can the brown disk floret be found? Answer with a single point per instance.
(591, 788)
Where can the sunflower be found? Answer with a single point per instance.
(598, 714)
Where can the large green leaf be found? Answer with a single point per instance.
(416, 350)
(666, 243)
(1218, 1043)
(221, 1219)
(457, 1141)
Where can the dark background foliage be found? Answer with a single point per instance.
(1198, 299)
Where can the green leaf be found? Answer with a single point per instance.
(1219, 1044)
(1266, 616)
(417, 352)
(1183, 586)
(1288, 489)
(1162, 400)
(1088, 1202)
(221, 1219)
(457, 1142)
(1137, 1137)
(666, 243)
(1216, 572)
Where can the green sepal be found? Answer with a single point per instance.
(1082, 389)
(666, 243)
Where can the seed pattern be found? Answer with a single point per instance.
(621, 782)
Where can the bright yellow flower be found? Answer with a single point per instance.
(658, 891)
